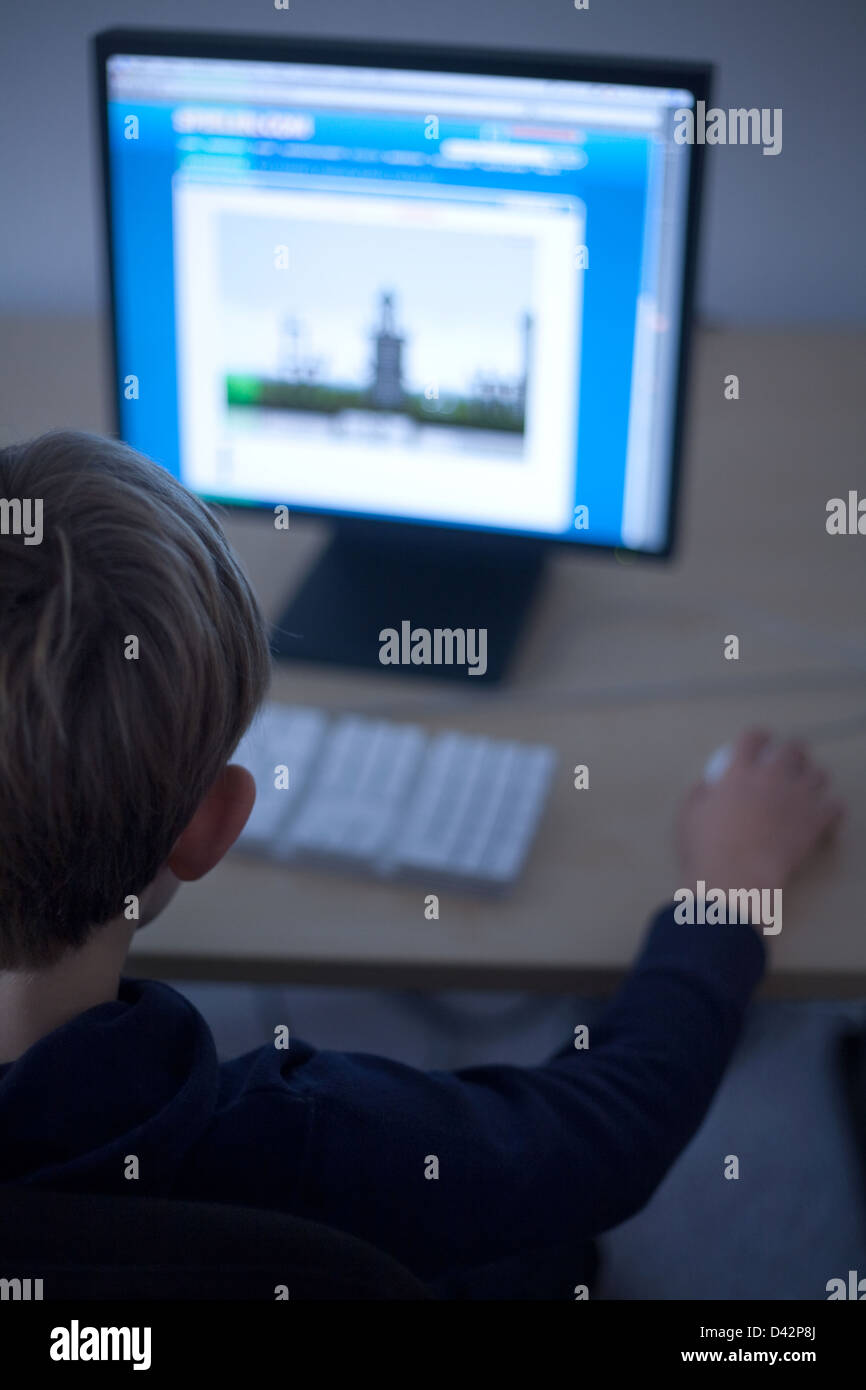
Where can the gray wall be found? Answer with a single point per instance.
(783, 235)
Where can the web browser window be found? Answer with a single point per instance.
(437, 297)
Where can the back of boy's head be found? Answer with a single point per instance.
(132, 657)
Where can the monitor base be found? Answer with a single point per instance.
(362, 585)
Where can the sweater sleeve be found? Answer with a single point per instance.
(445, 1170)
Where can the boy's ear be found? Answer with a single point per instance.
(215, 826)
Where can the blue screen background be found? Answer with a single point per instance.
(614, 185)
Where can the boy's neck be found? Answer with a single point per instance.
(35, 1002)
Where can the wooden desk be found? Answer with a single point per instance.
(622, 670)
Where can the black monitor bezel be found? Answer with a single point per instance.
(693, 77)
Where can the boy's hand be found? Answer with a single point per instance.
(760, 821)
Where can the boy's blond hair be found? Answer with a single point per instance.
(132, 657)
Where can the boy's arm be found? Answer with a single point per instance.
(526, 1158)
(450, 1171)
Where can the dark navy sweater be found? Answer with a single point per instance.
(532, 1162)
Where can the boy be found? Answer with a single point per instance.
(133, 656)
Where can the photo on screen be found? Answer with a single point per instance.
(412, 336)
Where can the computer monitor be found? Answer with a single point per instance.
(437, 296)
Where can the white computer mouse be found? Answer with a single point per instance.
(719, 762)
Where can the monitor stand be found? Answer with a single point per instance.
(412, 581)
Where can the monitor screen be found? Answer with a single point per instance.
(442, 297)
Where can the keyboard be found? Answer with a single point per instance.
(392, 799)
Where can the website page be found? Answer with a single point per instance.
(414, 295)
